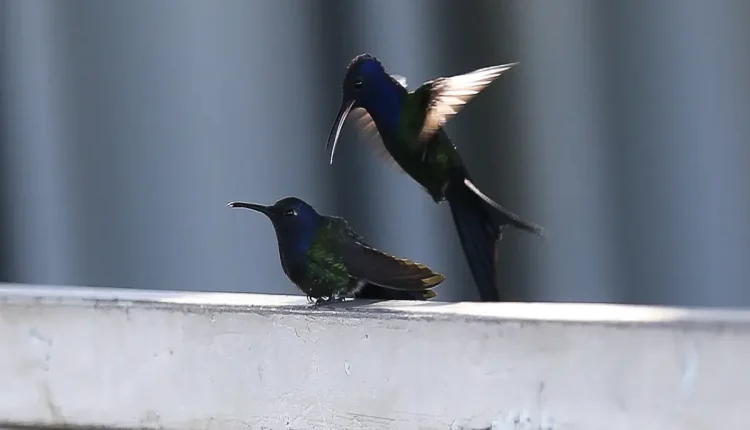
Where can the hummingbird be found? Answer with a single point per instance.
(328, 261)
(406, 128)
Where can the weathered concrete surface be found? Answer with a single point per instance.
(154, 359)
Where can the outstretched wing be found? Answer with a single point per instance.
(450, 94)
(377, 267)
(369, 133)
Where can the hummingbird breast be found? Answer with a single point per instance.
(431, 169)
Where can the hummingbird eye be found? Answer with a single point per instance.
(358, 84)
(290, 212)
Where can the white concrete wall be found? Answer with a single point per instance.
(174, 360)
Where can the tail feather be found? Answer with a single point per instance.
(376, 292)
(480, 223)
(503, 215)
(477, 234)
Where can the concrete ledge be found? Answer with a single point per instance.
(182, 360)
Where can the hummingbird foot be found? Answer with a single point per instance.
(321, 301)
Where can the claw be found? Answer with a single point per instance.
(321, 301)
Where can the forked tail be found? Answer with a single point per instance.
(480, 222)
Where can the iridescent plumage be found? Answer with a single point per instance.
(327, 260)
(407, 128)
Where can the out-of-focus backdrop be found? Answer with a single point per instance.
(126, 127)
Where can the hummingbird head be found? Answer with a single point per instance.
(364, 85)
(295, 222)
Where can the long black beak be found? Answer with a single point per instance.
(333, 136)
(252, 206)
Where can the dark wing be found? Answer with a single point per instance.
(450, 94)
(386, 270)
(369, 133)
(377, 267)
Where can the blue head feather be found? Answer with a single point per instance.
(371, 87)
(296, 224)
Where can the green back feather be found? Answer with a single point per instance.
(324, 266)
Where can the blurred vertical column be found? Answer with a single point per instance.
(511, 164)
(34, 148)
(338, 35)
(680, 103)
(6, 256)
(565, 135)
(168, 112)
(404, 219)
(637, 115)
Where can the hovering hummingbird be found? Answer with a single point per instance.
(407, 128)
(328, 261)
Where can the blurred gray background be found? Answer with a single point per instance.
(126, 127)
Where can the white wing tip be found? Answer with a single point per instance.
(500, 68)
(507, 66)
(400, 79)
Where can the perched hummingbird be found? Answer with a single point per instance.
(408, 128)
(327, 260)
